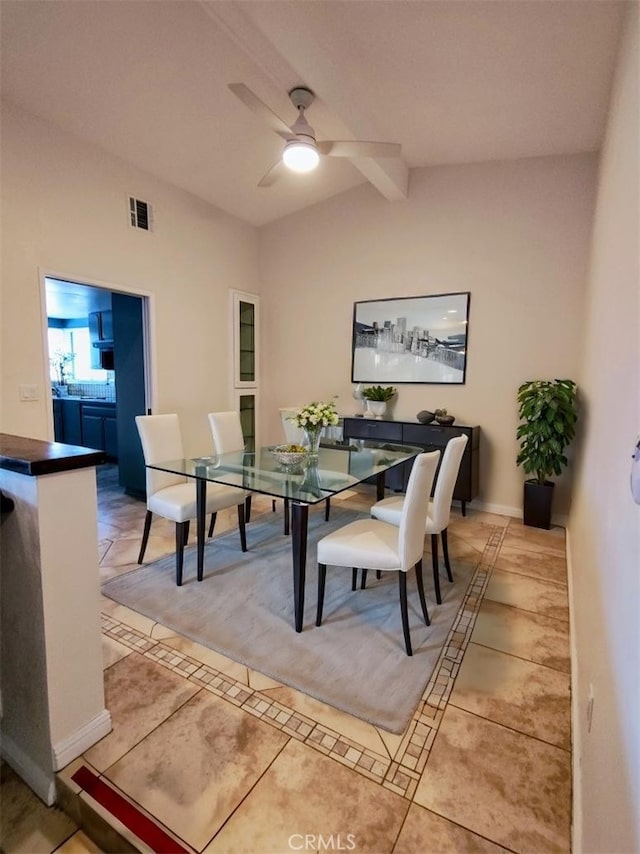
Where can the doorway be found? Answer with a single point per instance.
(99, 337)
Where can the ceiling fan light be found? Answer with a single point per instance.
(300, 156)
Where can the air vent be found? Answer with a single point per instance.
(140, 214)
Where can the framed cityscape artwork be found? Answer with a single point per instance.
(411, 339)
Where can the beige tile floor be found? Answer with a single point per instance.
(227, 760)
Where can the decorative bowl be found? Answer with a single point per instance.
(289, 455)
(425, 417)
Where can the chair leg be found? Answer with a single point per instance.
(186, 532)
(436, 571)
(423, 601)
(354, 578)
(445, 553)
(179, 551)
(327, 509)
(247, 509)
(402, 581)
(212, 524)
(145, 535)
(241, 525)
(364, 577)
(322, 575)
(273, 505)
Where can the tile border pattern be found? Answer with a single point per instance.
(400, 774)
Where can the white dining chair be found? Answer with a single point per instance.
(228, 437)
(373, 544)
(173, 496)
(439, 511)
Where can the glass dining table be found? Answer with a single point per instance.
(336, 468)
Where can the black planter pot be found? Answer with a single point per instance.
(538, 498)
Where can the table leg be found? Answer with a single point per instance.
(299, 523)
(380, 485)
(201, 506)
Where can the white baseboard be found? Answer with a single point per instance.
(66, 751)
(576, 733)
(42, 782)
(499, 509)
(515, 512)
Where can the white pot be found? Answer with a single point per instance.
(377, 408)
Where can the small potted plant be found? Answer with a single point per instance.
(377, 397)
(547, 409)
(59, 362)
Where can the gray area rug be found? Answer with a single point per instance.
(355, 661)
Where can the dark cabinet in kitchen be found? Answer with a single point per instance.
(99, 428)
(100, 326)
(58, 423)
(67, 421)
(89, 425)
(101, 339)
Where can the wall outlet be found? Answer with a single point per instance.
(28, 392)
(590, 702)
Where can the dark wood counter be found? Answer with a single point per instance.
(34, 457)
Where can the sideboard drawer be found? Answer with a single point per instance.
(431, 434)
(367, 428)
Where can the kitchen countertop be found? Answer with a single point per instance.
(84, 398)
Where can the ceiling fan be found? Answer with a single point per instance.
(302, 150)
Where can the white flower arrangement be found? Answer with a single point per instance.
(316, 415)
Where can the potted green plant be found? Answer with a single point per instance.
(377, 397)
(378, 392)
(548, 412)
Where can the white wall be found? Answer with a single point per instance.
(604, 525)
(64, 211)
(515, 234)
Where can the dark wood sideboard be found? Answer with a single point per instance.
(431, 437)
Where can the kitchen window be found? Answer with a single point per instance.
(76, 342)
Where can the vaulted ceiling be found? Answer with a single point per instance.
(453, 82)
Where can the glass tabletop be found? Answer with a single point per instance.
(336, 468)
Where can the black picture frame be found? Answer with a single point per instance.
(419, 339)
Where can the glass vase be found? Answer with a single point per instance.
(312, 439)
(311, 482)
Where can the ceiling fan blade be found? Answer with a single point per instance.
(352, 148)
(249, 99)
(272, 175)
